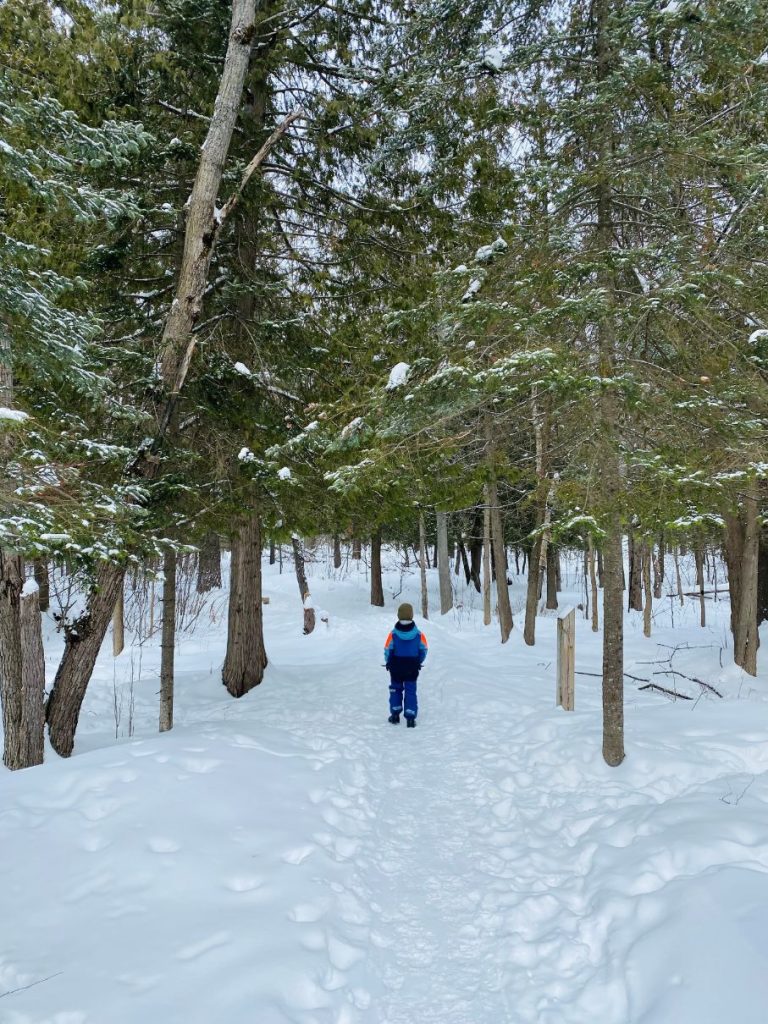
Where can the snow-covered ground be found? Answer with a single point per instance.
(291, 858)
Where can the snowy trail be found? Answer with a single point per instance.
(291, 858)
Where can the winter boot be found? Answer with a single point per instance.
(410, 721)
(394, 718)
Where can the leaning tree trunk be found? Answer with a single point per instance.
(377, 587)
(444, 564)
(301, 578)
(246, 657)
(209, 564)
(83, 640)
(168, 641)
(177, 347)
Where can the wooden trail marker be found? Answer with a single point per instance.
(566, 658)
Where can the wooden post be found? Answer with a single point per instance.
(566, 663)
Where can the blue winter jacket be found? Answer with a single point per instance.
(405, 650)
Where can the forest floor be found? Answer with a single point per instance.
(291, 858)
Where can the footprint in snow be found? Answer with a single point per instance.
(299, 854)
(243, 883)
(159, 844)
(198, 949)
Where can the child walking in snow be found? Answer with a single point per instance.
(404, 653)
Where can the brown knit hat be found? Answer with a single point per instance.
(405, 612)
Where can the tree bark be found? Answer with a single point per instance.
(118, 624)
(635, 596)
(746, 638)
(377, 586)
(246, 657)
(658, 571)
(608, 418)
(645, 561)
(357, 552)
(11, 658)
(500, 557)
(336, 552)
(82, 644)
(32, 680)
(301, 579)
(43, 584)
(593, 585)
(532, 593)
(272, 551)
(487, 559)
(551, 577)
(209, 563)
(698, 556)
(168, 640)
(444, 564)
(423, 567)
(762, 578)
(465, 562)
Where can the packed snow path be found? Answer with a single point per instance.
(291, 858)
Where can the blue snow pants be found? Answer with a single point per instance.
(396, 688)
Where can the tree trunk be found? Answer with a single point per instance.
(336, 552)
(698, 557)
(444, 564)
(593, 585)
(551, 577)
(43, 584)
(272, 551)
(11, 658)
(465, 562)
(658, 571)
(746, 638)
(301, 579)
(32, 679)
(246, 657)
(423, 567)
(600, 571)
(635, 597)
(645, 562)
(168, 641)
(357, 552)
(532, 593)
(82, 644)
(487, 559)
(608, 414)
(118, 624)
(377, 586)
(500, 556)
(762, 578)
(209, 564)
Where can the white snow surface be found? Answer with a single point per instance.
(291, 858)
(285, 473)
(397, 375)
